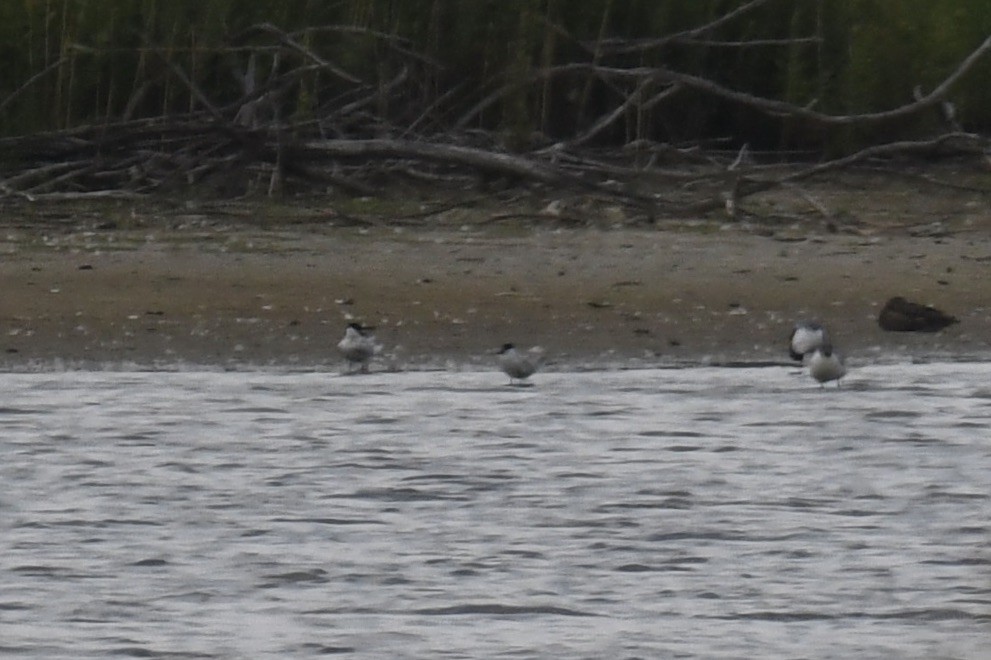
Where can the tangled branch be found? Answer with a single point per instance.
(356, 133)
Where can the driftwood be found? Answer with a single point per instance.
(355, 143)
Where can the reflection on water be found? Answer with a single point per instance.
(657, 513)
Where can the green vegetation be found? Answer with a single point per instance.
(68, 63)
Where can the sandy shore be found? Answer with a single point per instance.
(240, 296)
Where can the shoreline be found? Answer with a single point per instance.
(248, 297)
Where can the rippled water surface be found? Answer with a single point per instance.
(715, 513)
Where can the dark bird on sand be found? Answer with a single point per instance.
(900, 315)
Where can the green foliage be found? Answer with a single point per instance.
(65, 63)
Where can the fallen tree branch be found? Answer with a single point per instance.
(489, 161)
(289, 41)
(781, 108)
(748, 186)
(972, 144)
(87, 195)
(768, 106)
(623, 46)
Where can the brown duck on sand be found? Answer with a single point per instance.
(900, 315)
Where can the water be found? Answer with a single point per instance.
(711, 513)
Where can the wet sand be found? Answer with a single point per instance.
(243, 296)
